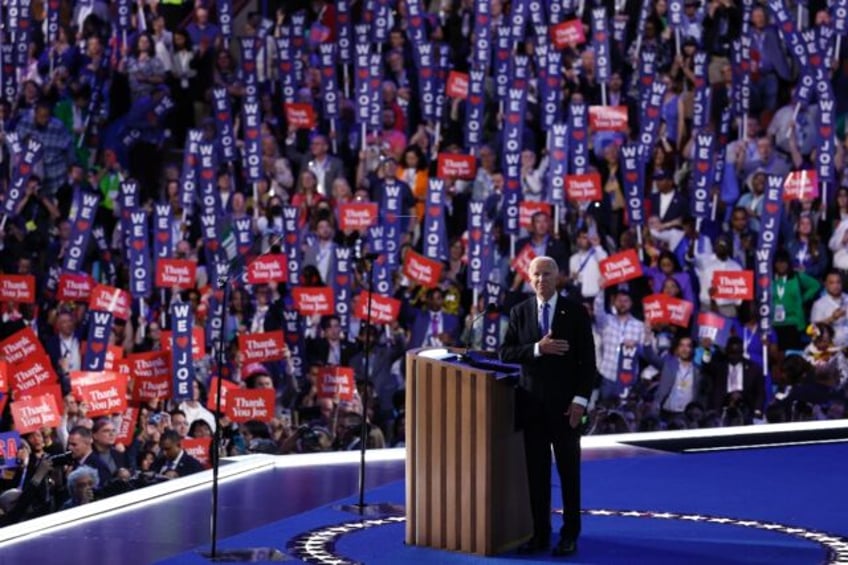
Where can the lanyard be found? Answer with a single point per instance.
(780, 288)
(586, 260)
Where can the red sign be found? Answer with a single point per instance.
(110, 299)
(521, 263)
(456, 165)
(653, 307)
(337, 383)
(679, 311)
(226, 387)
(583, 188)
(620, 267)
(83, 379)
(568, 34)
(32, 372)
(245, 404)
(424, 271)
(357, 216)
(608, 118)
(528, 209)
(114, 355)
(801, 185)
(314, 300)
(261, 347)
(74, 287)
(179, 273)
(300, 116)
(384, 309)
(4, 376)
(268, 269)
(198, 341)
(125, 431)
(105, 398)
(457, 86)
(54, 390)
(198, 447)
(31, 414)
(151, 375)
(733, 285)
(17, 288)
(20, 345)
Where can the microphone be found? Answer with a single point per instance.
(490, 308)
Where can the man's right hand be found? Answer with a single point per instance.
(550, 346)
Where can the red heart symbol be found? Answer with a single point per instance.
(291, 238)
(559, 154)
(223, 116)
(328, 71)
(391, 217)
(212, 244)
(512, 184)
(82, 225)
(700, 82)
(514, 119)
(291, 337)
(341, 280)
(703, 166)
(252, 133)
(632, 176)
(249, 66)
(476, 235)
(97, 346)
(578, 134)
(553, 81)
(341, 17)
(503, 55)
(653, 112)
(207, 174)
(475, 99)
(426, 72)
(764, 282)
(626, 378)
(434, 211)
(243, 249)
(482, 19)
(415, 21)
(363, 74)
(743, 65)
(191, 160)
(826, 131)
(788, 26)
(772, 208)
(24, 169)
(297, 41)
(163, 236)
(138, 244)
(285, 67)
(647, 79)
(182, 342)
(600, 36)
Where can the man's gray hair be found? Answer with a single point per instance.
(542, 259)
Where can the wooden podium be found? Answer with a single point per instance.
(466, 478)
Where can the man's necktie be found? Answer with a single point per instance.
(543, 323)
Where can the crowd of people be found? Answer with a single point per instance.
(111, 101)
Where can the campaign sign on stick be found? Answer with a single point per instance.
(250, 404)
(620, 267)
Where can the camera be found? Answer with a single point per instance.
(62, 459)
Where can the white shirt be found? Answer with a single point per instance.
(705, 268)
(665, 202)
(585, 270)
(734, 378)
(824, 307)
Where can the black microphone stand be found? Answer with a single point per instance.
(232, 555)
(379, 509)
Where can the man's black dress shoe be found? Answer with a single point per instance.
(534, 545)
(566, 546)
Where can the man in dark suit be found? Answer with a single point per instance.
(330, 348)
(543, 244)
(324, 166)
(174, 461)
(551, 336)
(669, 204)
(735, 380)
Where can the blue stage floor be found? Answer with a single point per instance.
(769, 505)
